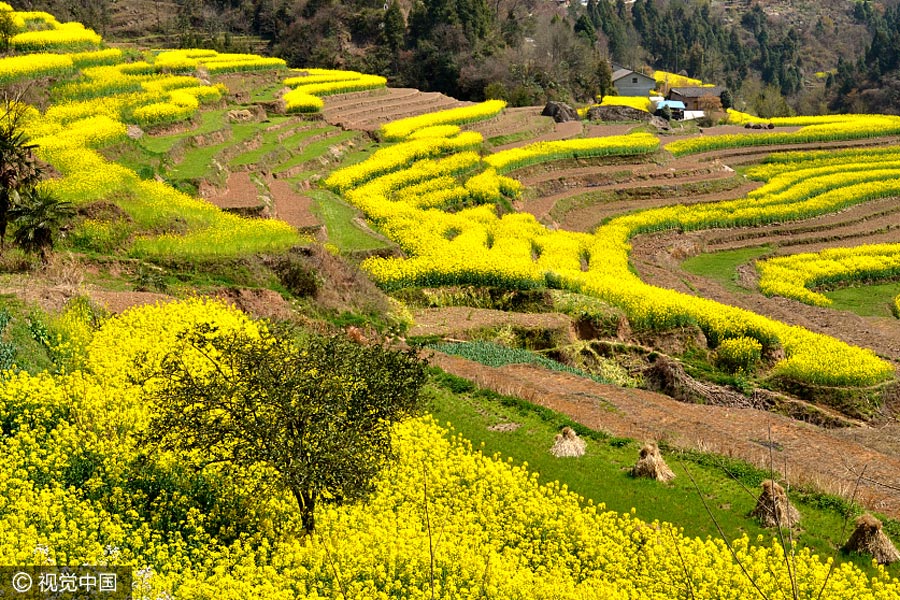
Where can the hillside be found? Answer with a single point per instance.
(728, 292)
(770, 54)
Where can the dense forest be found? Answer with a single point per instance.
(825, 56)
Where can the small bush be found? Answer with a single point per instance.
(297, 277)
(739, 354)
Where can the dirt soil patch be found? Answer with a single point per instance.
(240, 192)
(293, 208)
(829, 461)
(367, 111)
(259, 303)
(458, 321)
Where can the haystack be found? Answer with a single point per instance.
(567, 443)
(773, 508)
(652, 465)
(870, 539)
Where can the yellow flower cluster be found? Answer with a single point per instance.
(814, 129)
(182, 103)
(307, 89)
(637, 102)
(540, 152)
(65, 37)
(33, 66)
(475, 246)
(398, 156)
(94, 58)
(488, 186)
(853, 159)
(435, 131)
(77, 488)
(237, 63)
(187, 60)
(793, 276)
(896, 307)
(739, 354)
(90, 113)
(403, 128)
(29, 19)
(675, 80)
(89, 132)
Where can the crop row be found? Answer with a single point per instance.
(34, 66)
(793, 276)
(401, 129)
(799, 162)
(308, 89)
(541, 152)
(827, 129)
(78, 486)
(67, 37)
(399, 156)
(676, 80)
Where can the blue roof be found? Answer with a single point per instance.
(672, 104)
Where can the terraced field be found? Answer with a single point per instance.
(367, 111)
(608, 271)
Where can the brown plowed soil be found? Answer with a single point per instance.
(589, 217)
(240, 192)
(597, 130)
(513, 121)
(560, 131)
(461, 320)
(291, 207)
(752, 154)
(880, 216)
(367, 111)
(117, 302)
(830, 461)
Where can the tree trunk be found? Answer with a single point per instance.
(306, 502)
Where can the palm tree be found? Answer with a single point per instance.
(38, 217)
(18, 166)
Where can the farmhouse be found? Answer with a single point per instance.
(698, 98)
(631, 83)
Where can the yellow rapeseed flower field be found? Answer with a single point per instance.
(76, 482)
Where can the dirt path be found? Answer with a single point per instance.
(810, 455)
(560, 131)
(512, 121)
(881, 216)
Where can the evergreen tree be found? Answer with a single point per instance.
(604, 79)
(585, 29)
(394, 30)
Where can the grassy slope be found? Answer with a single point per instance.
(603, 473)
(339, 219)
(867, 301)
(722, 266)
